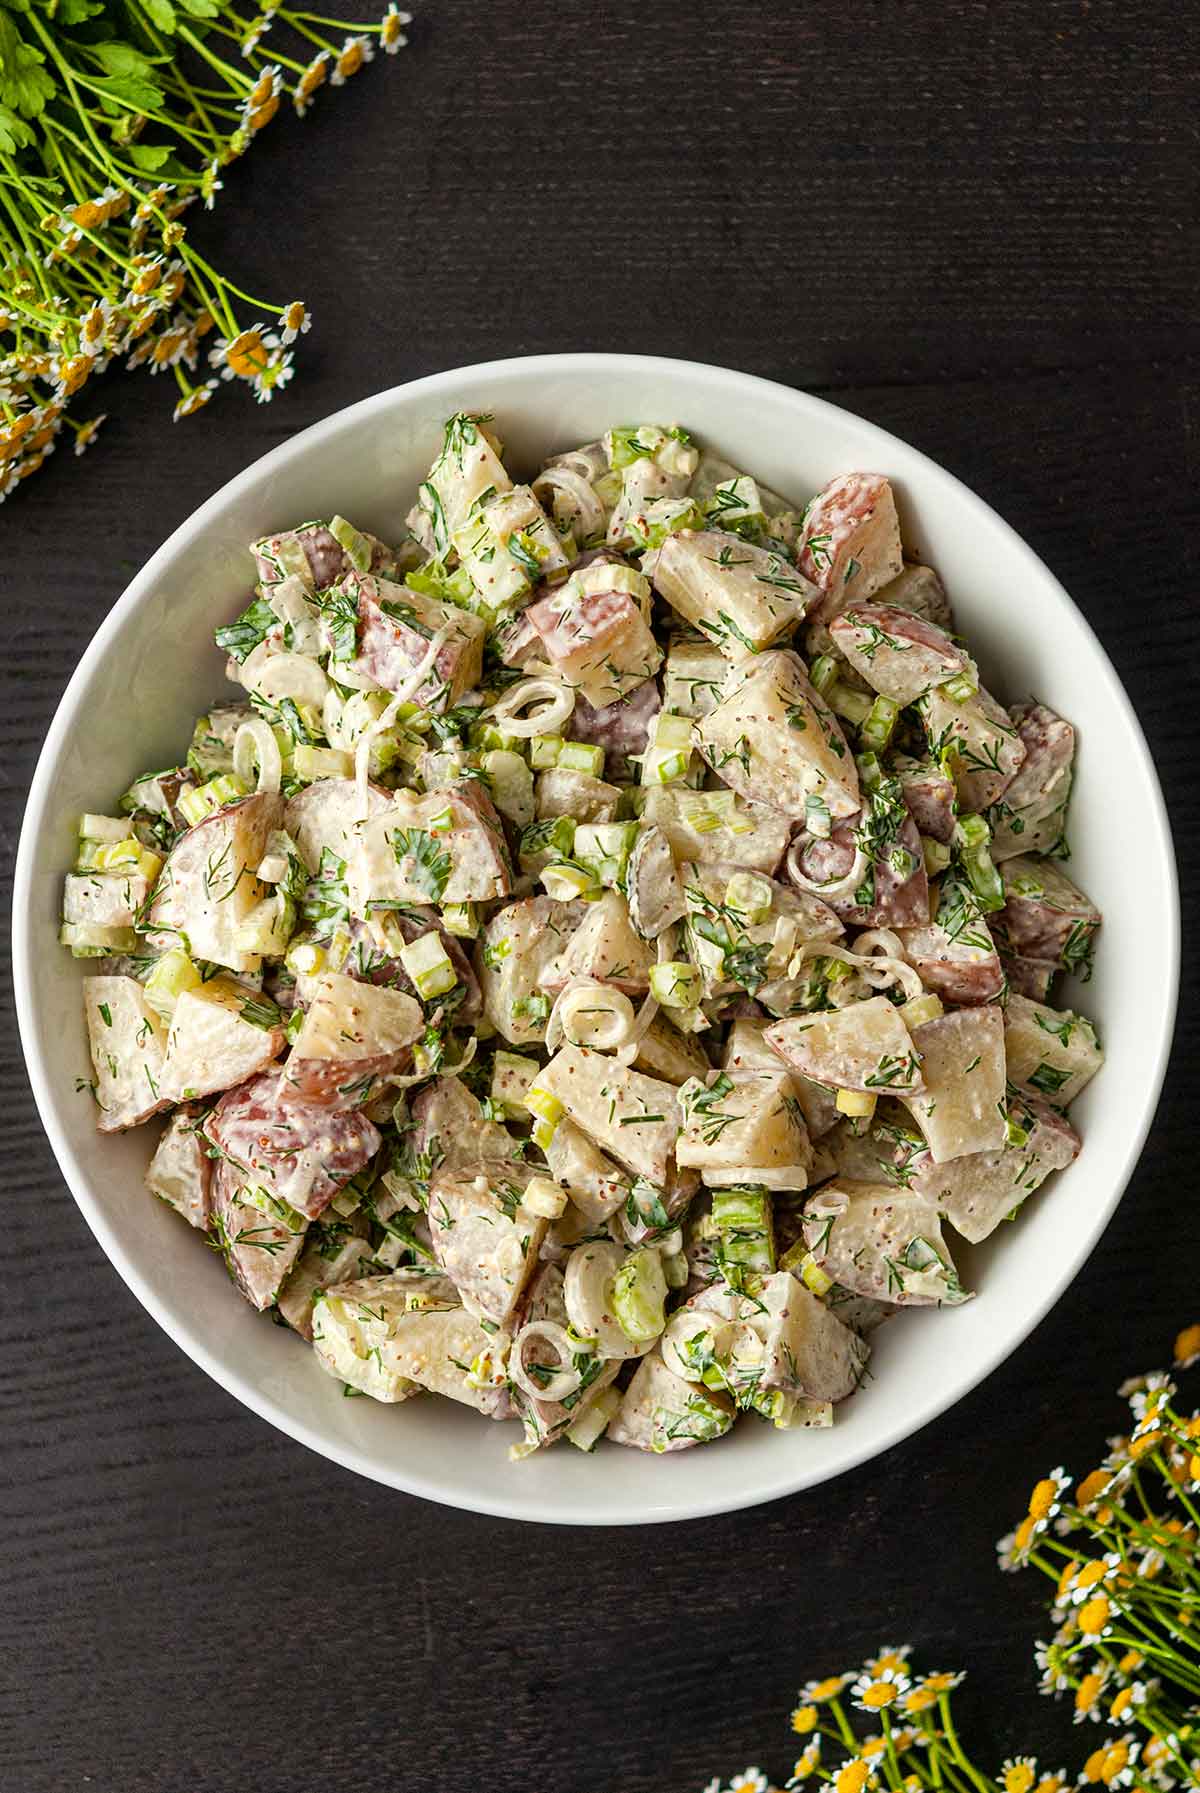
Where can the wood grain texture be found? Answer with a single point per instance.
(972, 224)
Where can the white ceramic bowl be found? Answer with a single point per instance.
(152, 666)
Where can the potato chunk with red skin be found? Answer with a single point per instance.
(930, 795)
(482, 1237)
(809, 1351)
(897, 881)
(1051, 1052)
(300, 1152)
(180, 1172)
(961, 1109)
(326, 814)
(207, 887)
(739, 596)
(622, 728)
(1045, 915)
(962, 967)
(863, 1047)
(260, 1244)
(850, 541)
(352, 1034)
(881, 1242)
(899, 655)
(976, 1192)
(604, 946)
(598, 640)
(773, 739)
(920, 590)
(395, 627)
(661, 1412)
(218, 1038)
(984, 749)
(399, 858)
(1031, 815)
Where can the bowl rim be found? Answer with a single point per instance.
(908, 1421)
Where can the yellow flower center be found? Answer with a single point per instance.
(1018, 1778)
(1091, 1487)
(852, 1778)
(89, 215)
(920, 1699)
(1122, 1703)
(1042, 1498)
(350, 60)
(1094, 1615)
(827, 1689)
(1142, 1447)
(804, 1719)
(1091, 1573)
(247, 355)
(74, 372)
(262, 115)
(878, 1695)
(311, 79)
(1188, 1343)
(1088, 1692)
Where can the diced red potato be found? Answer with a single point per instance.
(127, 1045)
(964, 969)
(395, 627)
(1045, 915)
(901, 897)
(961, 1109)
(578, 794)
(103, 899)
(863, 1047)
(643, 483)
(399, 860)
(882, 1242)
(517, 640)
(335, 1251)
(740, 596)
(920, 590)
(221, 1033)
(676, 1197)
(260, 1244)
(596, 1186)
(633, 1117)
(693, 676)
(300, 1152)
(367, 955)
(899, 655)
(888, 1151)
(207, 887)
(661, 1412)
(516, 946)
(312, 554)
(809, 1351)
(1031, 815)
(597, 638)
(930, 795)
(747, 1049)
(327, 814)
(752, 1133)
(604, 946)
(352, 1034)
(1029, 977)
(656, 898)
(754, 839)
(365, 1334)
(621, 728)
(772, 738)
(467, 470)
(985, 749)
(1051, 1052)
(850, 541)
(665, 1052)
(180, 1172)
(975, 1193)
(158, 793)
(486, 1243)
(451, 1127)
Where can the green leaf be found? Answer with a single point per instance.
(24, 84)
(148, 156)
(15, 134)
(121, 59)
(76, 12)
(129, 92)
(201, 9)
(160, 13)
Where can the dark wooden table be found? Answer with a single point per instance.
(971, 223)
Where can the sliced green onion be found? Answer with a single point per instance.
(880, 724)
(639, 1294)
(428, 964)
(961, 688)
(544, 751)
(173, 974)
(461, 920)
(578, 756)
(676, 984)
(823, 673)
(851, 706)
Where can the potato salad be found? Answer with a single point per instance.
(603, 956)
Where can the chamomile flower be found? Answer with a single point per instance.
(274, 376)
(1046, 1500)
(874, 1691)
(1014, 1547)
(873, 1750)
(1052, 1783)
(894, 1656)
(1092, 1489)
(1187, 1348)
(854, 1776)
(353, 54)
(310, 80)
(1158, 1760)
(1093, 1576)
(194, 400)
(1088, 1695)
(294, 321)
(806, 1764)
(391, 31)
(86, 433)
(1095, 1617)
(750, 1780)
(926, 1692)
(804, 1719)
(257, 30)
(1018, 1774)
(1052, 1661)
(819, 1693)
(1112, 1765)
(1126, 1701)
(244, 356)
